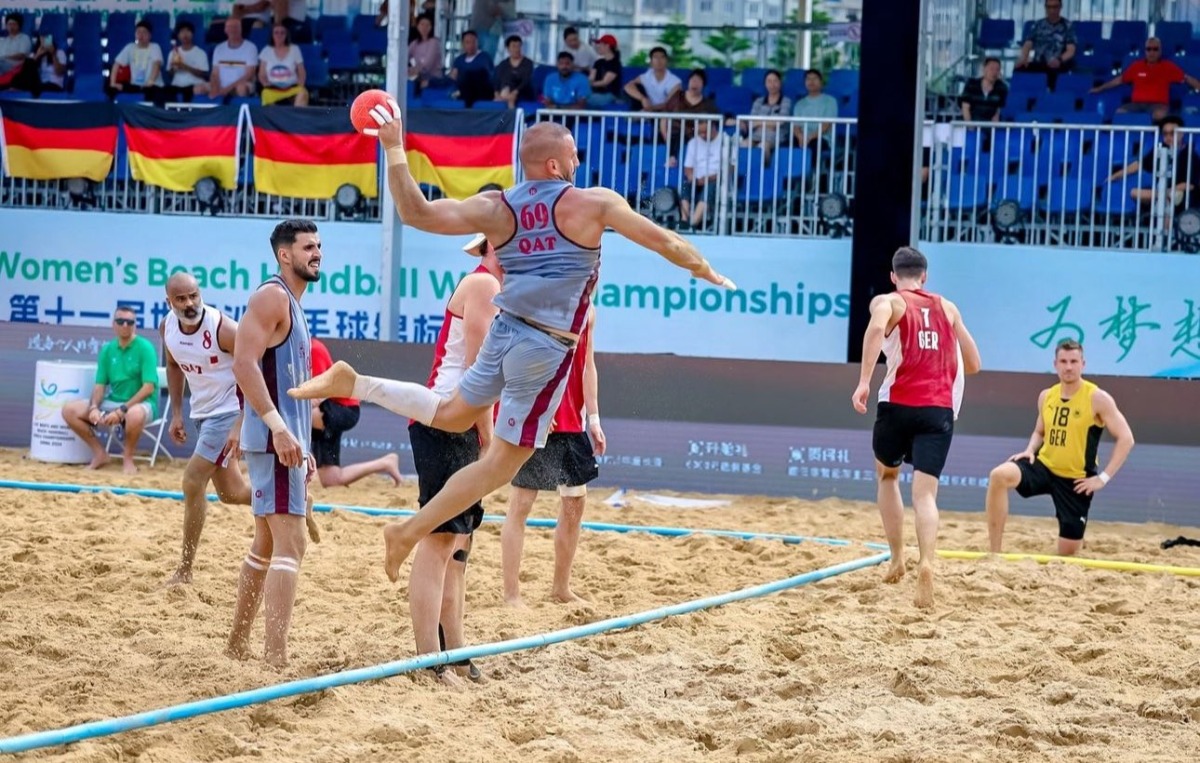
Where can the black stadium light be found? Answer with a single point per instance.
(82, 192)
(833, 209)
(1008, 221)
(1187, 231)
(349, 200)
(209, 195)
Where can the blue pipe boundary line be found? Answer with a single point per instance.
(671, 532)
(188, 710)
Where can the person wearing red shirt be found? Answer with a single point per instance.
(1151, 78)
(331, 418)
(928, 349)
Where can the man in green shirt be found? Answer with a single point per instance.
(126, 391)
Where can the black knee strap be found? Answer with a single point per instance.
(462, 555)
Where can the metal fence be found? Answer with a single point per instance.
(1093, 187)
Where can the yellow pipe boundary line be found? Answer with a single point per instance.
(1101, 564)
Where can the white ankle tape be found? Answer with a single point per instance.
(403, 398)
(255, 562)
(285, 564)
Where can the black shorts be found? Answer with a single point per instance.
(1070, 507)
(917, 435)
(437, 456)
(327, 442)
(567, 460)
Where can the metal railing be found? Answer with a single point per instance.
(1092, 187)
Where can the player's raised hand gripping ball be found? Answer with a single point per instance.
(369, 108)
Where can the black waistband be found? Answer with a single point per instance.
(564, 341)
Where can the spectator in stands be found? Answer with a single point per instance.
(14, 53)
(702, 163)
(815, 105)
(426, 57)
(1151, 78)
(281, 70)
(1050, 45)
(983, 97)
(655, 86)
(472, 71)
(689, 101)
(293, 14)
(566, 88)
(138, 67)
(125, 394)
(581, 54)
(51, 61)
(768, 135)
(252, 13)
(487, 18)
(235, 62)
(606, 73)
(514, 75)
(188, 65)
(1180, 164)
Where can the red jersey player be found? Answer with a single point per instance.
(928, 350)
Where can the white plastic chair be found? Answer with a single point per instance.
(153, 430)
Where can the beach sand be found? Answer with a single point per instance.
(1017, 661)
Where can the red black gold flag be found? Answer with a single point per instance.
(173, 149)
(309, 153)
(461, 151)
(54, 141)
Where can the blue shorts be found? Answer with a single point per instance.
(526, 370)
(212, 435)
(276, 488)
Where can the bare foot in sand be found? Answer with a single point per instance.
(278, 661)
(567, 597)
(239, 652)
(182, 576)
(393, 469)
(924, 599)
(397, 547)
(447, 678)
(470, 671)
(129, 467)
(894, 572)
(98, 461)
(516, 602)
(338, 381)
(314, 530)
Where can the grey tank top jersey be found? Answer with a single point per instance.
(548, 278)
(284, 366)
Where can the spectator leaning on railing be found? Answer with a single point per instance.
(1050, 45)
(1151, 78)
(565, 88)
(983, 97)
(472, 71)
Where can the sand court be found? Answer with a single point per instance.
(1018, 661)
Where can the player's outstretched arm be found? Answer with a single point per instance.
(881, 315)
(445, 216)
(618, 215)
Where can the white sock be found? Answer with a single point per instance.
(415, 401)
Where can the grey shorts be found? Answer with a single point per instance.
(277, 489)
(526, 370)
(213, 432)
(108, 406)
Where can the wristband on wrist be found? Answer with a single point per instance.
(274, 422)
(593, 419)
(396, 156)
(1104, 477)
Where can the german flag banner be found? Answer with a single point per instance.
(461, 151)
(44, 141)
(174, 149)
(309, 153)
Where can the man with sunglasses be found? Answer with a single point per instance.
(125, 395)
(1151, 78)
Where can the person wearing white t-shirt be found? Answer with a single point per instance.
(188, 64)
(234, 64)
(702, 170)
(655, 86)
(584, 55)
(52, 66)
(138, 67)
(281, 71)
(15, 48)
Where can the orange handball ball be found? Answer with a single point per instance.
(360, 115)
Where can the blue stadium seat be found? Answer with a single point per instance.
(311, 55)
(666, 177)
(848, 106)
(90, 86)
(197, 22)
(119, 30)
(490, 105)
(1104, 105)
(967, 192)
(120, 167)
(88, 60)
(372, 41)
(1022, 189)
(1131, 35)
(793, 84)
(316, 74)
(842, 81)
(1068, 196)
(1087, 34)
(432, 95)
(1062, 145)
(1133, 120)
(1075, 85)
(260, 37)
(734, 99)
(337, 37)
(630, 73)
(159, 21)
(647, 157)
(442, 103)
(327, 23)
(1175, 36)
(1118, 148)
(362, 23)
(791, 164)
(1055, 103)
(1036, 117)
(86, 25)
(625, 179)
(756, 183)
(682, 74)
(1080, 118)
(1009, 149)
(996, 33)
(718, 76)
(55, 24)
(540, 73)
(344, 57)
(1115, 198)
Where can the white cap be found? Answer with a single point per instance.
(472, 248)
